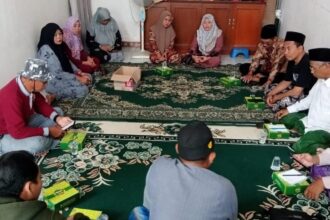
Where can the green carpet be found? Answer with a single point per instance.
(187, 94)
(111, 172)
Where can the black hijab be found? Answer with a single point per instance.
(47, 37)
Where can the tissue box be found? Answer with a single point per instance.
(230, 81)
(255, 103)
(164, 71)
(277, 131)
(73, 135)
(288, 189)
(91, 214)
(126, 78)
(60, 195)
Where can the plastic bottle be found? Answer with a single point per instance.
(262, 137)
(103, 217)
(73, 147)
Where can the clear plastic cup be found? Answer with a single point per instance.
(73, 147)
(164, 64)
(103, 217)
(262, 137)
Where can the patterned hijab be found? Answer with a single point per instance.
(71, 39)
(207, 39)
(47, 38)
(104, 34)
(164, 36)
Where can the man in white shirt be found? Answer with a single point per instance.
(315, 127)
(323, 158)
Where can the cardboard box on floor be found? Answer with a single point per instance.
(126, 78)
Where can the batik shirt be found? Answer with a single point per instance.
(270, 59)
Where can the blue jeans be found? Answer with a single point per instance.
(35, 144)
(139, 213)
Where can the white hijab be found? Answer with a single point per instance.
(207, 39)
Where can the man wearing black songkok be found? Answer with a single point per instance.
(267, 61)
(298, 78)
(315, 127)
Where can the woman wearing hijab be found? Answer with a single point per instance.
(206, 46)
(76, 52)
(103, 37)
(161, 38)
(68, 81)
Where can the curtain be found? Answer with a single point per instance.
(83, 10)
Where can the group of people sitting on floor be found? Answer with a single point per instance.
(205, 48)
(72, 66)
(294, 81)
(182, 188)
(296, 86)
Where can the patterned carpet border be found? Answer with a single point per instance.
(113, 108)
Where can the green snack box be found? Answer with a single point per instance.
(73, 135)
(230, 81)
(91, 214)
(164, 71)
(255, 103)
(60, 195)
(286, 188)
(277, 131)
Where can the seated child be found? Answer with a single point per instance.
(20, 186)
(315, 127)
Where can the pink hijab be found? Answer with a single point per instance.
(72, 40)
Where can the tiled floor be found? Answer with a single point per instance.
(135, 55)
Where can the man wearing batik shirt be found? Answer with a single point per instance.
(267, 61)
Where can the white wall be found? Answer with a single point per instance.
(125, 12)
(20, 25)
(21, 21)
(310, 17)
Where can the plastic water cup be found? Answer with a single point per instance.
(262, 137)
(164, 64)
(73, 146)
(103, 217)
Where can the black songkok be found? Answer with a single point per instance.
(319, 54)
(268, 31)
(295, 36)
